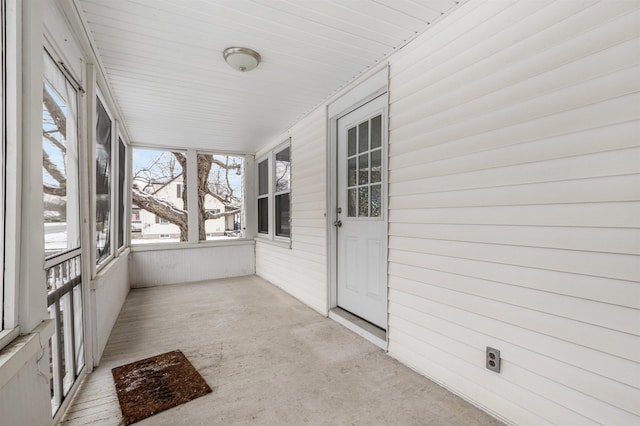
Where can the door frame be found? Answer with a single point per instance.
(370, 89)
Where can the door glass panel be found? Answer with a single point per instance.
(351, 141)
(376, 132)
(353, 202)
(363, 201)
(376, 166)
(376, 200)
(363, 169)
(363, 137)
(352, 173)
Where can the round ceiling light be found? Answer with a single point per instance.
(241, 58)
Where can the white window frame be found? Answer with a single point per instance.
(243, 214)
(270, 157)
(263, 196)
(10, 172)
(112, 193)
(125, 196)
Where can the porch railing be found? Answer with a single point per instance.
(66, 346)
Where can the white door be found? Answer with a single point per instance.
(362, 212)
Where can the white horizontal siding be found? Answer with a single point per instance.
(302, 269)
(514, 184)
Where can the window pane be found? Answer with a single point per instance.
(376, 132)
(363, 137)
(59, 163)
(351, 141)
(376, 166)
(363, 169)
(363, 201)
(161, 215)
(352, 210)
(376, 200)
(283, 170)
(352, 172)
(283, 215)
(263, 177)
(219, 196)
(103, 183)
(122, 163)
(263, 215)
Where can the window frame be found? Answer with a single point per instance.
(270, 158)
(263, 196)
(276, 193)
(132, 205)
(112, 193)
(243, 209)
(3, 131)
(122, 197)
(10, 198)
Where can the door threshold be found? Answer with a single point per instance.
(362, 328)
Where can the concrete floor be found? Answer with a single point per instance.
(270, 361)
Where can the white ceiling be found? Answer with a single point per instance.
(164, 61)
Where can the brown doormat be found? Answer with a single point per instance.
(155, 384)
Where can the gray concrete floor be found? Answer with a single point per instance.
(270, 360)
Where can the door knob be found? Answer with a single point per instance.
(337, 223)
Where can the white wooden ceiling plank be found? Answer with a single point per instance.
(425, 10)
(385, 13)
(164, 61)
(278, 22)
(160, 83)
(288, 68)
(354, 20)
(334, 53)
(363, 28)
(172, 81)
(216, 34)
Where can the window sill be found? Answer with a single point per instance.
(22, 349)
(7, 336)
(190, 246)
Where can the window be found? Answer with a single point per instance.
(2, 160)
(263, 197)
(274, 187)
(159, 196)
(220, 196)
(61, 217)
(282, 188)
(122, 166)
(61, 195)
(103, 183)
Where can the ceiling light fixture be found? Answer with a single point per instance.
(241, 58)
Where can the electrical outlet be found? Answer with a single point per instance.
(493, 359)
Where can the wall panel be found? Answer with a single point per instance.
(301, 269)
(515, 208)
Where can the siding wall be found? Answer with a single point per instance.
(173, 265)
(302, 269)
(109, 290)
(515, 208)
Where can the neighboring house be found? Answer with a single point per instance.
(146, 225)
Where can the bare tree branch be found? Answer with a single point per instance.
(53, 170)
(55, 112)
